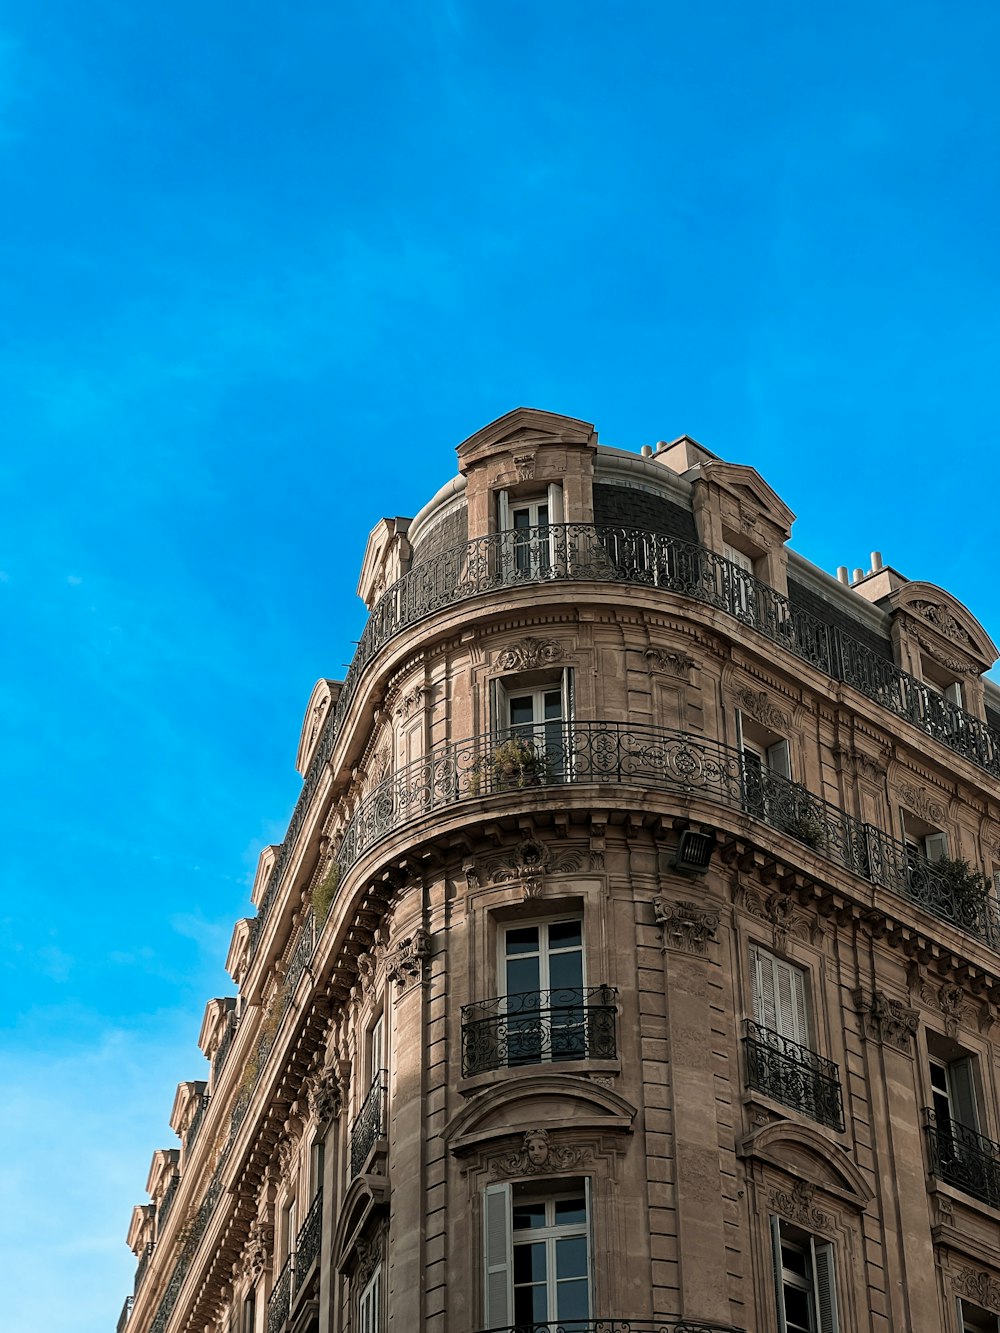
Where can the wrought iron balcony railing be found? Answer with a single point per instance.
(199, 1114)
(142, 1263)
(370, 1124)
(599, 553)
(962, 1158)
(670, 1324)
(169, 1194)
(126, 1314)
(616, 753)
(279, 1305)
(310, 1238)
(793, 1075)
(222, 1050)
(536, 1026)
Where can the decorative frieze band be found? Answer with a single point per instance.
(886, 1020)
(539, 1153)
(686, 926)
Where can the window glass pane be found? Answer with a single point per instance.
(794, 1260)
(522, 518)
(572, 1298)
(529, 1262)
(571, 1210)
(798, 1310)
(571, 1257)
(522, 711)
(553, 704)
(565, 972)
(528, 1215)
(565, 934)
(523, 940)
(522, 975)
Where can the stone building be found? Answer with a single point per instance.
(631, 960)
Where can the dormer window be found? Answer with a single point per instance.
(535, 539)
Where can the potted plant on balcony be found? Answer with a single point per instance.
(970, 889)
(517, 762)
(806, 825)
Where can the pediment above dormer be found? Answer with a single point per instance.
(944, 627)
(185, 1098)
(521, 433)
(749, 505)
(217, 1016)
(386, 558)
(161, 1168)
(325, 694)
(238, 957)
(265, 864)
(140, 1231)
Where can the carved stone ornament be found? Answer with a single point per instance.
(527, 865)
(411, 701)
(369, 1256)
(944, 1211)
(797, 1205)
(524, 466)
(943, 621)
(917, 800)
(257, 1250)
(886, 1020)
(472, 880)
(670, 663)
(406, 962)
(759, 706)
(952, 663)
(366, 970)
(864, 765)
(979, 1287)
(686, 926)
(324, 1095)
(538, 1153)
(528, 653)
(286, 1155)
(952, 1003)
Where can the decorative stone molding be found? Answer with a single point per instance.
(257, 1250)
(944, 1211)
(686, 926)
(863, 765)
(920, 802)
(886, 1020)
(369, 1255)
(366, 970)
(524, 465)
(759, 706)
(528, 653)
(538, 1153)
(411, 701)
(472, 880)
(286, 1154)
(943, 621)
(949, 998)
(952, 663)
(797, 1205)
(324, 1095)
(979, 1287)
(406, 962)
(780, 912)
(669, 663)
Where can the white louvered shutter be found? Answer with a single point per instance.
(777, 759)
(497, 1251)
(936, 846)
(765, 1010)
(963, 1094)
(779, 1286)
(826, 1286)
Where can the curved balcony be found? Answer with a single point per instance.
(618, 1324)
(655, 758)
(603, 554)
(539, 1026)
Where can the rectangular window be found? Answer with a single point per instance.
(250, 1312)
(739, 588)
(537, 1255)
(974, 1319)
(370, 1304)
(536, 540)
(288, 1228)
(767, 771)
(531, 719)
(804, 1280)
(779, 996)
(543, 988)
(317, 1157)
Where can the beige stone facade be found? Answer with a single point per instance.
(631, 961)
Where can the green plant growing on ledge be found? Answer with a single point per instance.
(324, 894)
(807, 826)
(970, 888)
(517, 762)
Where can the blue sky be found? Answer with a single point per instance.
(260, 272)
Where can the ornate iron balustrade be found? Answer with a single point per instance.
(142, 1263)
(653, 757)
(962, 1158)
(125, 1315)
(192, 1130)
(310, 1238)
(670, 1324)
(370, 1123)
(222, 1050)
(169, 1194)
(793, 1075)
(601, 553)
(536, 1026)
(281, 1297)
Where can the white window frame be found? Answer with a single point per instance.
(370, 1303)
(745, 563)
(505, 688)
(961, 1306)
(545, 954)
(820, 1282)
(959, 1092)
(541, 554)
(498, 1249)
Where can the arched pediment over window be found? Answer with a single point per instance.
(944, 627)
(321, 701)
(804, 1152)
(525, 426)
(367, 1197)
(550, 1102)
